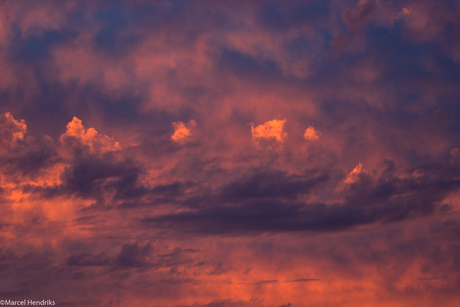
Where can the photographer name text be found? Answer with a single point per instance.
(27, 303)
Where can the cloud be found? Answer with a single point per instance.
(86, 259)
(92, 171)
(232, 303)
(25, 158)
(134, 255)
(418, 173)
(271, 184)
(219, 215)
(80, 139)
(96, 177)
(183, 132)
(454, 155)
(35, 157)
(354, 175)
(311, 134)
(269, 132)
(267, 203)
(11, 131)
(355, 19)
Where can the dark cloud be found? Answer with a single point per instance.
(354, 20)
(30, 159)
(134, 256)
(34, 50)
(23, 156)
(113, 37)
(248, 66)
(386, 198)
(93, 176)
(281, 17)
(86, 259)
(271, 184)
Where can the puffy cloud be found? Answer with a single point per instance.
(311, 134)
(270, 131)
(77, 137)
(183, 132)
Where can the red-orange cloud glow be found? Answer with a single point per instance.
(270, 130)
(353, 176)
(183, 132)
(311, 134)
(76, 133)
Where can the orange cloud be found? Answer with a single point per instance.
(77, 136)
(183, 132)
(311, 134)
(270, 130)
(353, 176)
(11, 130)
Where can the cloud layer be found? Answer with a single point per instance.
(264, 154)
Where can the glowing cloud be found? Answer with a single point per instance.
(183, 132)
(270, 130)
(311, 134)
(77, 136)
(353, 176)
(11, 130)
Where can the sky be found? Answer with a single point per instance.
(230, 153)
